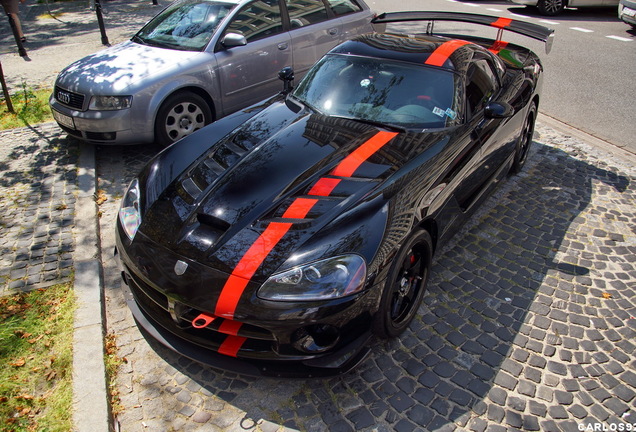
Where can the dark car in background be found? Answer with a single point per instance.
(556, 7)
(195, 62)
(277, 240)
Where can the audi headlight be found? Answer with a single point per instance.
(109, 103)
(321, 280)
(129, 212)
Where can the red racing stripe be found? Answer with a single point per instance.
(350, 164)
(443, 52)
(502, 23)
(247, 266)
(230, 327)
(299, 208)
(498, 46)
(324, 186)
(231, 345)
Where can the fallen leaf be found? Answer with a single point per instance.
(24, 397)
(18, 363)
(607, 295)
(34, 340)
(100, 197)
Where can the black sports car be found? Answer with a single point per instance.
(278, 240)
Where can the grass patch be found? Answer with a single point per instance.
(36, 357)
(30, 107)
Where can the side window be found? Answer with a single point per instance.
(258, 20)
(481, 85)
(306, 12)
(343, 7)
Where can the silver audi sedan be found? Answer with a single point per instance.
(195, 62)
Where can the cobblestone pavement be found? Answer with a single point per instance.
(37, 206)
(529, 322)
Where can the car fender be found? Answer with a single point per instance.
(204, 79)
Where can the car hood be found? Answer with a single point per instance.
(117, 69)
(215, 210)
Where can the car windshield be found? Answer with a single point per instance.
(185, 25)
(393, 93)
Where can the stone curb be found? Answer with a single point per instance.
(90, 400)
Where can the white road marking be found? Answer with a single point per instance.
(547, 22)
(582, 29)
(619, 38)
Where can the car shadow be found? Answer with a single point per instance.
(518, 326)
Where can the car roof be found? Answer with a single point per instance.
(446, 53)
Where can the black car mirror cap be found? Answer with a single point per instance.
(232, 40)
(499, 110)
(287, 76)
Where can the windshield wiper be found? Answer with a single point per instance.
(373, 122)
(138, 39)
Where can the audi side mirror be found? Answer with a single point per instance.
(232, 40)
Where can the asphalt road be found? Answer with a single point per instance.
(589, 73)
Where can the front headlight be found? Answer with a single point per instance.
(109, 103)
(129, 212)
(321, 280)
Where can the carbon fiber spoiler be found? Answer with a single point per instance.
(534, 31)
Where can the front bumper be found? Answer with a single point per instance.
(337, 363)
(98, 127)
(268, 338)
(524, 2)
(627, 12)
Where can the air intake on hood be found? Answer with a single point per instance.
(213, 222)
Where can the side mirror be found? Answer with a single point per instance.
(287, 76)
(498, 110)
(232, 40)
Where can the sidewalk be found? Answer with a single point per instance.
(515, 332)
(70, 33)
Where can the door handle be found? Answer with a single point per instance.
(283, 46)
(333, 31)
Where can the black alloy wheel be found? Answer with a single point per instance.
(180, 115)
(405, 285)
(525, 140)
(551, 7)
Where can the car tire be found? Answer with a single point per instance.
(180, 115)
(405, 285)
(551, 7)
(525, 140)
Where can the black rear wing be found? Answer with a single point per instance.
(534, 31)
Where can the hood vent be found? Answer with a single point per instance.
(213, 222)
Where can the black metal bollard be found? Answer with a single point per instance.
(5, 90)
(100, 21)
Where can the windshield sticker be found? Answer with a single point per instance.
(452, 114)
(365, 82)
(439, 112)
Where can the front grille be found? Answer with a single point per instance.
(69, 99)
(156, 304)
